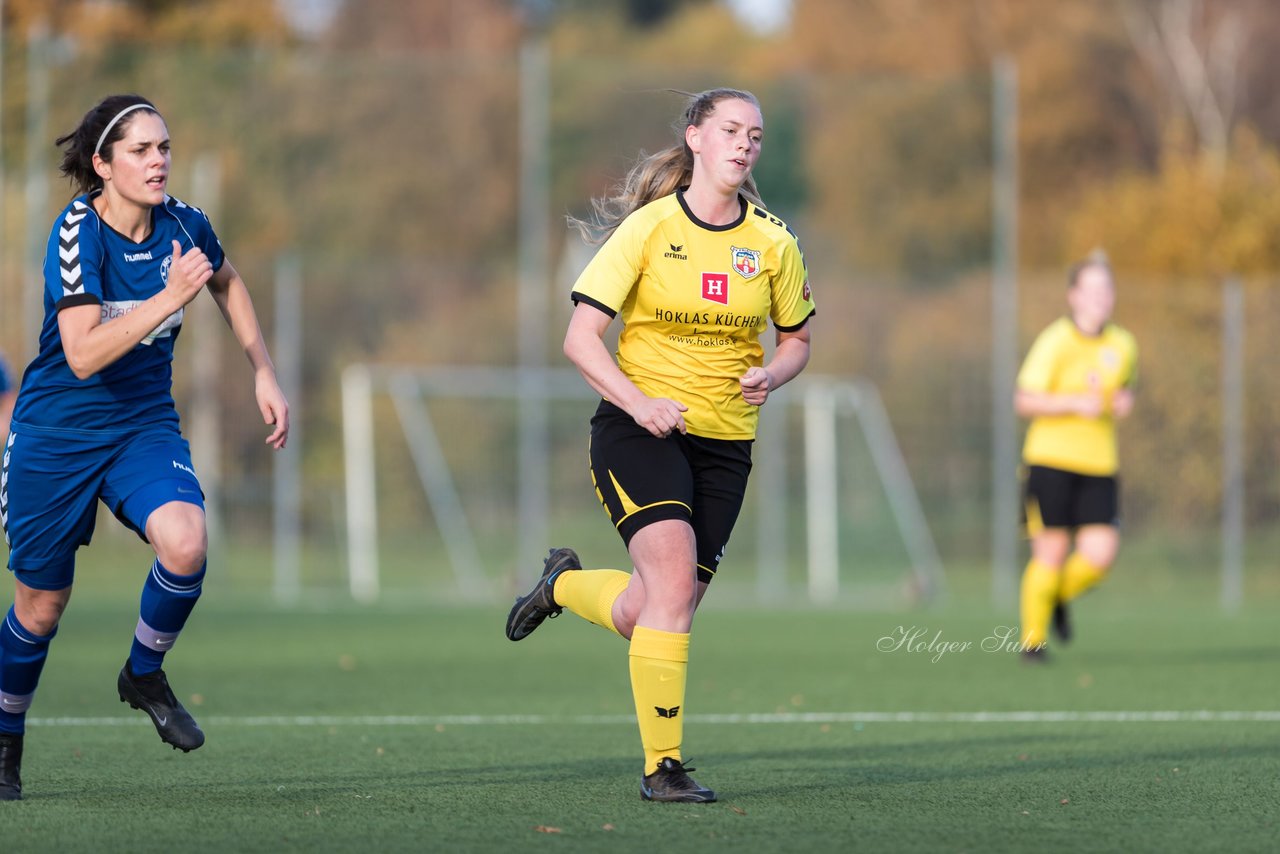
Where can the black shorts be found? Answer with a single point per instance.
(1054, 498)
(641, 479)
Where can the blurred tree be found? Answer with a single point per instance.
(470, 28)
(97, 25)
(648, 13)
(1079, 118)
(1196, 60)
(1201, 215)
(644, 13)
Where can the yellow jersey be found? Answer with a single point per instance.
(694, 299)
(1063, 360)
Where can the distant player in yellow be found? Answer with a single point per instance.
(696, 269)
(1076, 382)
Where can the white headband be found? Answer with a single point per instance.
(97, 149)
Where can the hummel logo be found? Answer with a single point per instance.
(677, 252)
(667, 713)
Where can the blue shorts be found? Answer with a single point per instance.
(52, 481)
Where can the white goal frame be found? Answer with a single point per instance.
(823, 400)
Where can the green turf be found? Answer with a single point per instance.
(568, 781)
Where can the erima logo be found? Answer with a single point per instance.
(187, 469)
(676, 252)
(667, 713)
(137, 256)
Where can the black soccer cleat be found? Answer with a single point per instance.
(539, 603)
(1062, 621)
(10, 764)
(1035, 655)
(151, 694)
(671, 782)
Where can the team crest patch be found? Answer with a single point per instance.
(715, 287)
(746, 262)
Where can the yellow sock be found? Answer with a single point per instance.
(590, 593)
(1078, 575)
(659, 664)
(1039, 592)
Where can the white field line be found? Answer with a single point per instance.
(1027, 717)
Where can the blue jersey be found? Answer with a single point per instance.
(88, 262)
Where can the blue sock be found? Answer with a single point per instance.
(167, 600)
(22, 656)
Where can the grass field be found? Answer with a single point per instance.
(421, 728)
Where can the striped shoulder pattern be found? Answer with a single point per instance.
(175, 202)
(69, 249)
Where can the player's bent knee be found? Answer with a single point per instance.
(1101, 559)
(182, 554)
(177, 533)
(39, 611)
(183, 557)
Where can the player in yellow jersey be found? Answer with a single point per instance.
(695, 268)
(1076, 382)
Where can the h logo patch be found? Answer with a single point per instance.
(715, 287)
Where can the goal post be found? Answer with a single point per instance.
(824, 399)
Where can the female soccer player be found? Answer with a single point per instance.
(696, 268)
(1076, 381)
(95, 418)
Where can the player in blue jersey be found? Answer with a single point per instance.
(95, 417)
